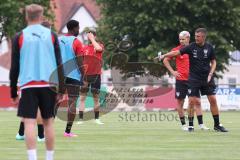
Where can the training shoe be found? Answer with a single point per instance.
(69, 135)
(203, 127)
(19, 137)
(40, 139)
(80, 122)
(190, 129)
(98, 121)
(184, 127)
(220, 128)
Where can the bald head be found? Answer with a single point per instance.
(34, 12)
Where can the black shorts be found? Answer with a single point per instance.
(181, 90)
(72, 86)
(197, 88)
(32, 98)
(93, 82)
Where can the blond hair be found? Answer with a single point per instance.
(184, 33)
(33, 12)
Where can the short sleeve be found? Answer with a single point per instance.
(212, 55)
(78, 47)
(186, 50)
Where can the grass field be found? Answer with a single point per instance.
(118, 139)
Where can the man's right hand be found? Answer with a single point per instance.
(60, 98)
(90, 36)
(15, 100)
(176, 74)
(159, 58)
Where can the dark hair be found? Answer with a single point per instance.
(202, 30)
(46, 24)
(72, 24)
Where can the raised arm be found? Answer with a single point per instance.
(96, 45)
(170, 54)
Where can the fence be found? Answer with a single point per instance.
(147, 97)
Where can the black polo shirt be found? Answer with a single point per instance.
(200, 58)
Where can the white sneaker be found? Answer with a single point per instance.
(203, 127)
(40, 139)
(98, 121)
(184, 127)
(18, 137)
(80, 122)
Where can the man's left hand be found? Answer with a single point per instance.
(209, 77)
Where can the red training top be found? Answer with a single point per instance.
(92, 60)
(182, 64)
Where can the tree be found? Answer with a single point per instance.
(153, 25)
(12, 17)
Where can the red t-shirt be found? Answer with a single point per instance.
(92, 60)
(182, 64)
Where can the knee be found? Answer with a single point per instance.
(180, 103)
(197, 103)
(72, 99)
(72, 109)
(194, 102)
(191, 103)
(213, 101)
(95, 95)
(83, 97)
(48, 122)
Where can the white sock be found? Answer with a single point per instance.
(49, 155)
(32, 154)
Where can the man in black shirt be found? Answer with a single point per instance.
(202, 66)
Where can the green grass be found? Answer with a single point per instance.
(121, 140)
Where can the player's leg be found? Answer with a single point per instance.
(214, 108)
(40, 127)
(95, 89)
(47, 101)
(198, 110)
(30, 137)
(20, 134)
(97, 108)
(191, 104)
(83, 95)
(180, 95)
(209, 90)
(180, 111)
(215, 113)
(28, 106)
(199, 114)
(194, 99)
(50, 139)
(71, 114)
(73, 94)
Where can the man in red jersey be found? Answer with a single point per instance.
(92, 61)
(181, 75)
(71, 47)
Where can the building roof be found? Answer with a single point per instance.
(65, 9)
